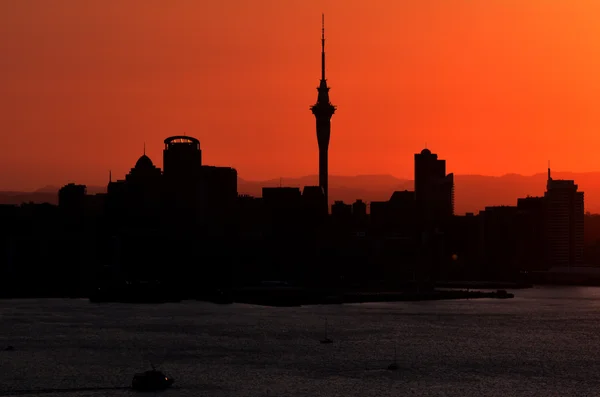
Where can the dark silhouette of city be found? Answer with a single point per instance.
(184, 232)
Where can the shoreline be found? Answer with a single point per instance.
(283, 298)
(463, 284)
(290, 296)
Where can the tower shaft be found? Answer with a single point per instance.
(323, 110)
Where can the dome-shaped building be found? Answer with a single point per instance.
(144, 162)
(143, 186)
(144, 171)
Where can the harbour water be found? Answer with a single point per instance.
(544, 342)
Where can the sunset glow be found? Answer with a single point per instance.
(493, 87)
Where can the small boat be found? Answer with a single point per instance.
(326, 340)
(151, 381)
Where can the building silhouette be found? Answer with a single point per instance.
(323, 110)
(182, 162)
(71, 197)
(465, 242)
(529, 231)
(341, 212)
(186, 192)
(395, 217)
(359, 209)
(500, 242)
(564, 223)
(434, 190)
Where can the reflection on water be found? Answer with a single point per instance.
(542, 343)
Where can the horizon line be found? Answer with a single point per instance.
(277, 179)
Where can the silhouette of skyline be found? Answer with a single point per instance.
(323, 110)
(410, 241)
(473, 192)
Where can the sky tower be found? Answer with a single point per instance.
(323, 110)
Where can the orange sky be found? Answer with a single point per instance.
(493, 86)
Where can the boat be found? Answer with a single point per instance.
(326, 340)
(152, 380)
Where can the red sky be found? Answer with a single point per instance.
(494, 86)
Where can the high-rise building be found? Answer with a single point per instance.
(323, 110)
(434, 190)
(182, 156)
(564, 222)
(529, 230)
(182, 162)
(500, 242)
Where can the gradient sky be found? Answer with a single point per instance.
(494, 86)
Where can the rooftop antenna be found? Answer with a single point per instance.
(425, 144)
(549, 177)
(109, 176)
(144, 148)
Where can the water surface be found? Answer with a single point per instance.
(542, 343)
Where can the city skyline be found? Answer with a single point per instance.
(245, 257)
(399, 92)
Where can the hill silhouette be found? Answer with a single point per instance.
(472, 192)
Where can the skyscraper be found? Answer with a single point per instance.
(323, 110)
(564, 223)
(182, 165)
(434, 190)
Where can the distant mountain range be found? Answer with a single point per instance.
(472, 192)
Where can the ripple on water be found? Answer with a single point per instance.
(542, 343)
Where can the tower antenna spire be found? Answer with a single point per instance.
(323, 46)
(144, 148)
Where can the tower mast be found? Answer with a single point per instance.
(323, 47)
